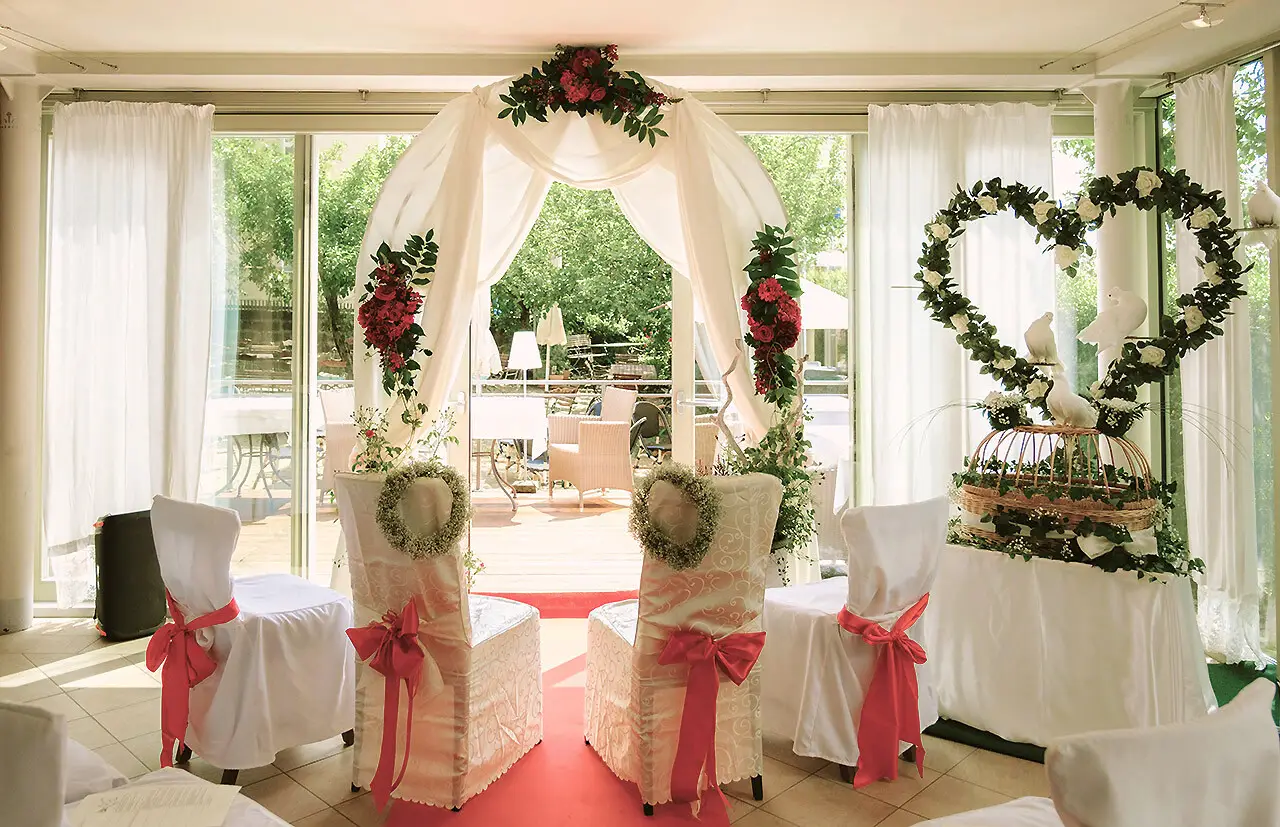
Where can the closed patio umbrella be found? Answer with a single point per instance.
(551, 332)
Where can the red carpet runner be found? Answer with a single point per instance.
(577, 604)
(561, 782)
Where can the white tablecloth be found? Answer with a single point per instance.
(1033, 650)
(510, 417)
(255, 414)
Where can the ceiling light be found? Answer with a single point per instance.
(1202, 20)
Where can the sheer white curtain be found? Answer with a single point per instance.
(918, 379)
(128, 318)
(1217, 391)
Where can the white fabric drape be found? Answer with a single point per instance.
(1217, 391)
(917, 429)
(698, 197)
(128, 309)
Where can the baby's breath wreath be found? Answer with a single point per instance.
(420, 546)
(701, 492)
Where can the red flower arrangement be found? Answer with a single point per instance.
(388, 311)
(773, 315)
(582, 79)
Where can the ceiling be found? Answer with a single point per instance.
(701, 44)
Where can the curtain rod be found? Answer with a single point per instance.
(1253, 54)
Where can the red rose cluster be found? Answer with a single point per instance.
(773, 318)
(388, 315)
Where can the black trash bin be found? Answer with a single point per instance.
(131, 600)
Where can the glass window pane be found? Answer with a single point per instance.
(1077, 296)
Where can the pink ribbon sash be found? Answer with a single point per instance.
(186, 664)
(392, 648)
(891, 709)
(735, 655)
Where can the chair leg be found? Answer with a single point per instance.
(230, 776)
(757, 787)
(348, 737)
(648, 809)
(910, 755)
(846, 773)
(184, 754)
(355, 788)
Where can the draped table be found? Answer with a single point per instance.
(1033, 650)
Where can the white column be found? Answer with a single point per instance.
(20, 311)
(1271, 68)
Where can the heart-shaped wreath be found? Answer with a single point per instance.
(1201, 311)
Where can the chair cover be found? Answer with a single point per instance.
(1021, 812)
(285, 675)
(633, 704)
(339, 407)
(244, 811)
(593, 453)
(489, 712)
(32, 746)
(85, 772)
(814, 674)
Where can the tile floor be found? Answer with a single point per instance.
(113, 706)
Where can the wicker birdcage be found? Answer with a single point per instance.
(1073, 474)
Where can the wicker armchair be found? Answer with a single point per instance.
(593, 453)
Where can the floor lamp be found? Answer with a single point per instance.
(524, 355)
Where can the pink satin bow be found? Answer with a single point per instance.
(891, 709)
(393, 650)
(735, 655)
(186, 664)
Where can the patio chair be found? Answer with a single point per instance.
(706, 442)
(593, 453)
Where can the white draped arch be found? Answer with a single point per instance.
(698, 197)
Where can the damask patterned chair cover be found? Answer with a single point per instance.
(815, 674)
(634, 704)
(489, 712)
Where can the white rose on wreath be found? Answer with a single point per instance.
(1211, 274)
(1151, 355)
(1004, 363)
(1065, 256)
(1194, 317)
(1037, 388)
(960, 322)
(1087, 210)
(932, 279)
(1203, 217)
(940, 231)
(1095, 390)
(1042, 210)
(988, 203)
(1147, 182)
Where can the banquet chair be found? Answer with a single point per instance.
(592, 453)
(634, 704)
(339, 408)
(832, 642)
(251, 665)
(1221, 770)
(706, 441)
(32, 765)
(478, 708)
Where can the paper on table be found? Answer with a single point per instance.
(157, 805)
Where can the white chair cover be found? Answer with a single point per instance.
(1021, 812)
(285, 675)
(633, 704)
(32, 745)
(339, 407)
(85, 772)
(245, 812)
(814, 674)
(487, 649)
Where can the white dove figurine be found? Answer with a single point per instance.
(1264, 206)
(1108, 330)
(1042, 347)
(1068, 407)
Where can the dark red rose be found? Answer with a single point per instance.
(370, 434)
(762, 332)
(785, 334)
(597, 94)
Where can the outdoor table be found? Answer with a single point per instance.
(498, 417)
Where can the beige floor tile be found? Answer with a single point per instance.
(63, 669)
(285, 797)
(362, 812)
(97, 700)
(38, 641)
(325, 818)
(294, 757)
(1002, 773)
(780, 749)
(26, 686)
(146, 748)
(901, 818)
(60, 704)
(126, 762)
(778, 778)
(89, 733)
(940, 755)
(817, 802)
(898, 792)
(12, 664)
(948, 796)
(131, 721)
(203, 769)
(329, 779)
(738, 809)
(760, 818)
